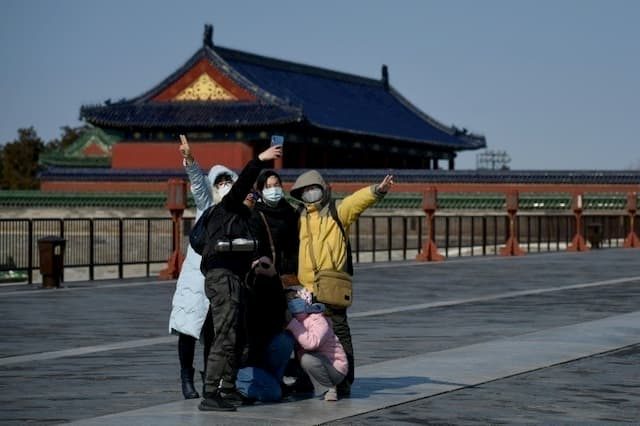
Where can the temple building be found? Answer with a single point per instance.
(230, 102)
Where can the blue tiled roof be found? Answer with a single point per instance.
(189, 115)
(339, 101)
(287, 92)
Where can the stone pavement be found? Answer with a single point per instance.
(547, 338)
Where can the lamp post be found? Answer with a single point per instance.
(429, 252)
(176, 203)
(578, 243)
(632, 206)
(512, 247)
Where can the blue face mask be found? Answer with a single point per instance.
(272, 195)
(224, 189)
(312, 195)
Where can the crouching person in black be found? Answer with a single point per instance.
(226, 259)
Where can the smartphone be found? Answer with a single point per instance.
(277, 140)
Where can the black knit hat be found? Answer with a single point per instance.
(262, 178)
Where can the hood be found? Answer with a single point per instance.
(312, 177)
(218, 170)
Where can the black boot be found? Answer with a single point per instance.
(203, 374)
(188, 390)
(213, 401)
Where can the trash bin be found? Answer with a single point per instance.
(51, 251)
(594, 234)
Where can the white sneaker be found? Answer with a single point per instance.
(331, 395)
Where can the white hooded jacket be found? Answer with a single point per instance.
(190, 304)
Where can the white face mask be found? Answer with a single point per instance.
(224, 190)
(272, 195)
(312, 195)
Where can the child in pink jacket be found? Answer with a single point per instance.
(320, 353)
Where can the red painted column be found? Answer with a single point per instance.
(429, 251)
(176, 203)
(632, 240)
(578, 243)
(512, 247)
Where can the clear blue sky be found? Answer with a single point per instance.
(555, 83)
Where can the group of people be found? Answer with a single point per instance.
(249, 293)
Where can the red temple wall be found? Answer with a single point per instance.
(164, 155)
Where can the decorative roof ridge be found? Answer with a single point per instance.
(297, 67)
(477, 140)
(209, 54)
(241, 79)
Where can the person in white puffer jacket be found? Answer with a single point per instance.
(190, 305)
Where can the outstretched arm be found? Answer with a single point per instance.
(200, 186)
(352, 206)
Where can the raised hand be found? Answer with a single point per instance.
(386, 184)
(271, 153)
(185, 149)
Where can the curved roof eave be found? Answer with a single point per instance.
(399, 139)
(478, 140)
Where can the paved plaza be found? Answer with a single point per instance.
(540, 339)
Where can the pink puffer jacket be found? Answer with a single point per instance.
(314, 333)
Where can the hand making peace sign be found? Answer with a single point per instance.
(185, 150)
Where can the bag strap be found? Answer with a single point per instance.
(273, 248)
(336, 218)
(313, 257)
(334, 215)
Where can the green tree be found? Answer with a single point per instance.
(20, 161)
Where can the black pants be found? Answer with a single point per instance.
(343, 332)
(225, 291)
(187, 344)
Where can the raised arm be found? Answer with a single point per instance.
(353, 205)
(200, 186)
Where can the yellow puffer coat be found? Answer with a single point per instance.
(329, 247)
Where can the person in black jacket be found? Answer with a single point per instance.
(228, 255)
(269, 345)
(273, 210)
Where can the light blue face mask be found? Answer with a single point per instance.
(272, 195)
(312, 195)
(224, 189)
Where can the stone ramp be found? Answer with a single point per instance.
(402, 380)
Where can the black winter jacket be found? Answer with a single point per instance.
(283, 224)
(232, 210)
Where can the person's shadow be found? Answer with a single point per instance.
(367, 386)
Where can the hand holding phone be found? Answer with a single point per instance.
(277, 140)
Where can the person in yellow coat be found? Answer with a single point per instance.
(318, 228)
